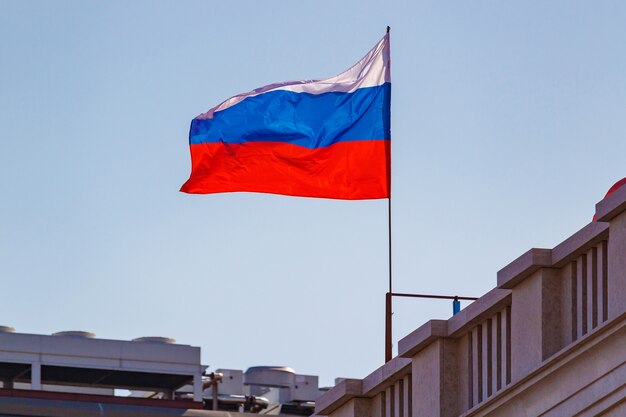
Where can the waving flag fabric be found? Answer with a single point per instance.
(322, 138)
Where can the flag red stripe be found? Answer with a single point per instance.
(354, 170)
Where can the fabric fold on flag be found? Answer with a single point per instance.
(314, 138)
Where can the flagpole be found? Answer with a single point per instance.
(390, 294)
(388, 306)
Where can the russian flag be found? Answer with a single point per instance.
(314, 138)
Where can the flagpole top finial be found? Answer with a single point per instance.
(388, 29)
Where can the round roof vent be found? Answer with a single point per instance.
(75, 333)
(155, 339)
(270, 368)
(269, 376)
(7, 329)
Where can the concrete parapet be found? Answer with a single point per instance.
(476, 312)
(524, 266)
(421, 337)
(337, 396)
(385, 375)
(526, 345)
(611, 206)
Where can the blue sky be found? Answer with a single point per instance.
(507, 126)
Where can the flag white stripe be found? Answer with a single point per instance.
(371, 71)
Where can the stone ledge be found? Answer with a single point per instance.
(338, 396)
(385, 375)
(481, 309)
(580, 242)
(421, 337)
(535, 259)
(522, 267)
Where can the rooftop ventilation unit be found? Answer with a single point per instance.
(269, 376)
(272, 382)
(155, 339)
(231, 382)
(305, 388)
(75, 333)
(7, 329)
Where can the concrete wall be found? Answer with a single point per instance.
(549, 340)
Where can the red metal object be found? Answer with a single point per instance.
(614, 188)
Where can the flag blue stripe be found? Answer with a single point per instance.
(303, 119)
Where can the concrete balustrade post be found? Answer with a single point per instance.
(613, 210)
(435, 373)
(535, 321)
(617, 266)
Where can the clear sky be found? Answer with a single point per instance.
(508, 125)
